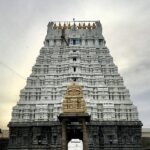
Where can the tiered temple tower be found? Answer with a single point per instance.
(74, 52)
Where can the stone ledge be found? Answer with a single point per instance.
(57, 123)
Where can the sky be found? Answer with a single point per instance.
(126, 28)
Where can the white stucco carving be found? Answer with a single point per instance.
(85, 60)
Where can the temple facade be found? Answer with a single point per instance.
(75, 52)
(78, 54)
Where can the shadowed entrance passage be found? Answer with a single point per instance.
(74, 131)
(74, 127)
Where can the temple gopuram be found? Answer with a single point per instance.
(74, 92)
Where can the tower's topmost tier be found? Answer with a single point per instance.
(81, 33)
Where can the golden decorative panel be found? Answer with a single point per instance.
(73, 99)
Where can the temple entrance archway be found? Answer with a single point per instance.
(74, 132)
(74, 127)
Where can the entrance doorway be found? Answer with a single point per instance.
(74, 127)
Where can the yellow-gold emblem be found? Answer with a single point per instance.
(73, 100)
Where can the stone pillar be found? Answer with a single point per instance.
(85, 135)
(64, 136)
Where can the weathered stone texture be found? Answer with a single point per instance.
(101, 135)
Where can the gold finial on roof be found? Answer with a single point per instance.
(84, 26)
(79, 27)
(64, 26)
(73, 100)
(69, 26)
(59, 27)
(55, 26)
(94, 26)
(89, 26)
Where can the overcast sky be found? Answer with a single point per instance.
(126, 28)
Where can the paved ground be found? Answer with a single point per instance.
(146, 143)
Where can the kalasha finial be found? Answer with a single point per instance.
(84, 26)
(64, 26)
(69, 26)
(79, 27)
(59, 27)
(89, 26)
(55, 26)
(94, 26)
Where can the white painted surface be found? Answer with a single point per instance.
(75, 144)
(104, 92)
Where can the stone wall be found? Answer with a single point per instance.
(106, 135)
